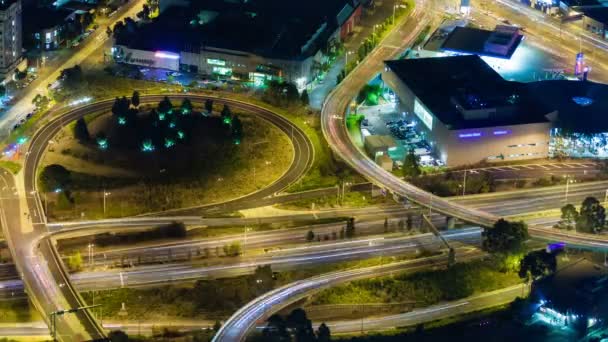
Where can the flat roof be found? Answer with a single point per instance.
(473, 41)
(442, 83)
(582, 106)
(38, 18)
(270, 28)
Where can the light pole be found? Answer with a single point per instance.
(568, 181)
(464, 183)
(245, 238)
(374, 34)
(105, 194)
(346, 57)
(90, 246)
(605, 197)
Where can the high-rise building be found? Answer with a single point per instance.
(10, 36)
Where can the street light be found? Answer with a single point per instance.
(374, 34)
(346, 57)
(568, 181)
(90, 246)
(245, 238)
(105, 194)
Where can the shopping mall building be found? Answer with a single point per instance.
(470, 114)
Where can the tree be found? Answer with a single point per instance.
(299, 322)
(186, 106)
(216, 326)
(2, 90)
(505, 236)
(54, 177)
(304, 98)
(592, 217)
(135, 99)
(411, 165)
(275, 330)
(209, 106)
(72, 77)
(109, 31)
(323, 333)
(233, 249)
(237, 128)
(310, 236)
(350, 227)
(165, 105)
(569, 215)
(537, 264)
(81, 132)
(226, 113)
(75, 261)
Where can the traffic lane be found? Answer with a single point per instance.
(430, 313)
(238, 325)
(44, 294)
(284, 260)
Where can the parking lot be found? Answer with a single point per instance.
(384, 119)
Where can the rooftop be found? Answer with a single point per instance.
(451, 86)
(478, 41)
(271, 28)
(37, 18)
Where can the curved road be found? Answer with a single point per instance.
(37, 260)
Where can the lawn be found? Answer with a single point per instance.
(205, 170)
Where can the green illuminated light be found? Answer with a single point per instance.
(172, 124)
(227, 120)
(161, 116)
(170, 111)
(147, 146)
(237, 141)
(122, 120)
(185, 111)
(169, 143)
(181, 134)
(102, 143)
(21, 140)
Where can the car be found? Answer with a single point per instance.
(16, 126)
(76, 44)
(29, 115)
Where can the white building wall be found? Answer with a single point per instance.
(470, 146)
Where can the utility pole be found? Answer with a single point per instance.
(464, 183)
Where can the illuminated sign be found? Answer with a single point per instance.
(423, 114)
(168, 55)
(215, 61)
(579, 64)
(469, 135)
(502, 132)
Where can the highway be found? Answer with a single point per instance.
(42, 275)
(239, 324)
(280, 260)
(40, 267)
(417, 316)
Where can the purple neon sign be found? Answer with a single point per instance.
(469, 135)
(502, 132)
